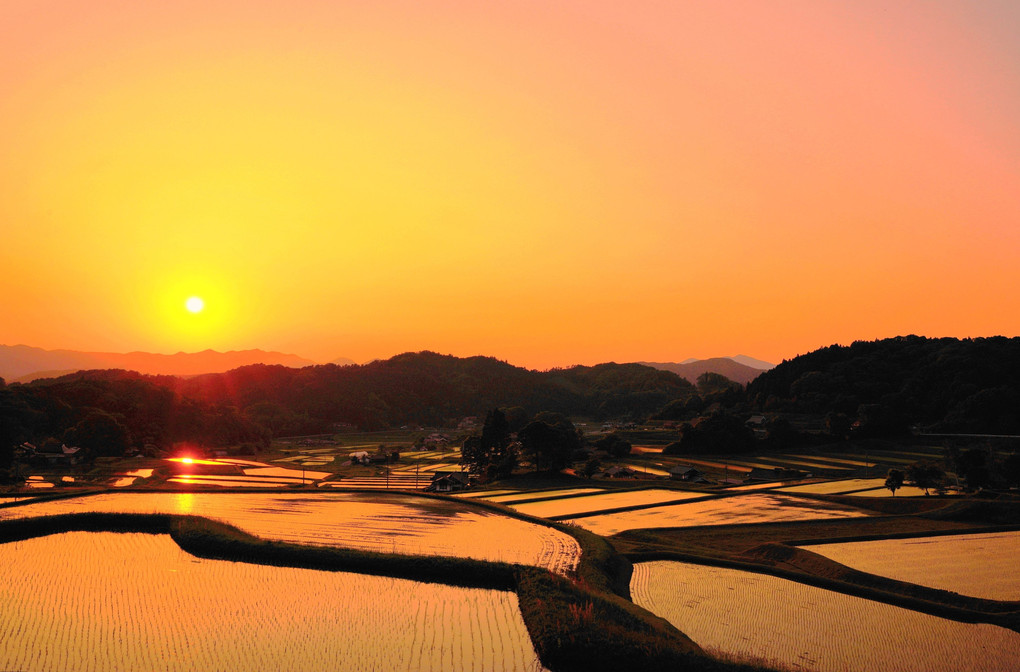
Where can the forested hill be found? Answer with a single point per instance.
(429, 388)
(943, 384)
(254, 402)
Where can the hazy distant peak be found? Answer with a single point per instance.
(752, 362)
(28, 363)
(730, 367)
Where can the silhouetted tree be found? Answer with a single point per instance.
(718, 433)
(100, 434)
(614, 445)
(837, 425)
(516, 418)
(972, 465)
(1011, 470)
(926, 475)
(491, 455)
(549, 445)
(591, 467)
(894, 480)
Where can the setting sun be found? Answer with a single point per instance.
(194, 304)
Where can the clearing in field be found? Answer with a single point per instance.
(979, 565)
(611, 500)
(106, 601)
(752, 508)
(387, 523)
(807, 628)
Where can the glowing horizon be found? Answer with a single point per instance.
(546, 184)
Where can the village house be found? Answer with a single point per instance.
(685, 472)
(54, 454)
(449, 481)
(775, 474)
(619, 472)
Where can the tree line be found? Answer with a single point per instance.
(109, 411)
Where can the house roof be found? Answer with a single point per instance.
(460, 476)
(613, 471)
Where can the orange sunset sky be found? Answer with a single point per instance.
(550, 183)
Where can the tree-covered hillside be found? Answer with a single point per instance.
(941, 384)
(253, 403)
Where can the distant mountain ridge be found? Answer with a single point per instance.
(23, 363)
(740, 368)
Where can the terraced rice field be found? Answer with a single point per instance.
(644, 468)
(809, 464)
(979, 565)
(887, 458)
(375, 522)
(752, 508)
(825, 459)
(102, 601)
(482, 494)
(753, 486)
(835, 487)
(229, 481)
(736, 468)
(427, 467)
(611, 500)
(808, 628)
(289, 474)
(540, 494)
(394, 481)
(905, 491)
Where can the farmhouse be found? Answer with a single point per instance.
(774, 474)
(619, 472)
(436, 441)
(449, 481)
(52, 453)
(684, 472)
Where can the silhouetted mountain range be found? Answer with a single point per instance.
(945, 384)
(738, 371)
(23, 363)
(254, 402)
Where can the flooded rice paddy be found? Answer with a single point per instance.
(601, 502)
(836, 487)
(806, 628)
(979, 565)
(752, 508)
(386, 523)
(83, 601)
(539, 494)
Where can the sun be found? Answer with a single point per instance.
(194, 304)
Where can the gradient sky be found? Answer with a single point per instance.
(550, 183)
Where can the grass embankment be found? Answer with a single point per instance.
(580, 623)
